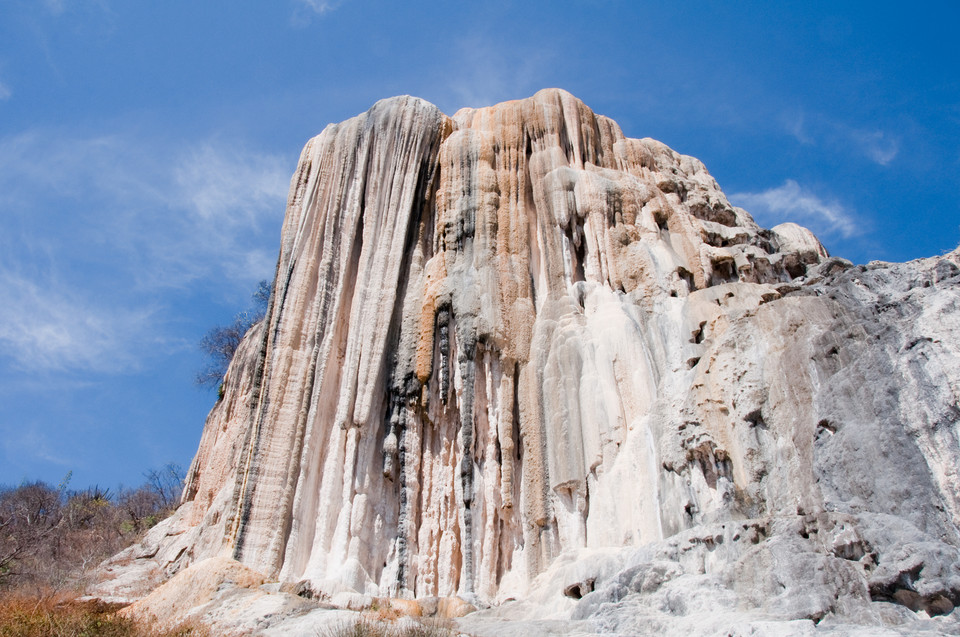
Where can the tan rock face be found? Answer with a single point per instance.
(502, 337)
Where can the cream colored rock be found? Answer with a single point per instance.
(194, 587)
(508, 338)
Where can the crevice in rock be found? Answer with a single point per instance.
(578, 590)
(687, 277)
(723, 271)
(697, 335)
(755, 419)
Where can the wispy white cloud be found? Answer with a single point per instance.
(56, 7)
(230, 186)
(43, 163)
(484, 72)
(46, 326)
(320, 6)
(792, 202)
(795, 124)
(114, 221)
(229, 198)
(185, 210)
(59, 7)
(305, 10)
(876, 145)
(5, 92)
(19, 442)
(49, 21)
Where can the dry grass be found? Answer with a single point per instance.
(23, 615)
(366, 627)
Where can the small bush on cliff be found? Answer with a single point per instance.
(222, 341)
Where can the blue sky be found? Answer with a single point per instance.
(146, 149)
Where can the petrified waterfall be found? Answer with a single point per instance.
(503, 337)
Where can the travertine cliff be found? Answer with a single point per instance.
(513, 354)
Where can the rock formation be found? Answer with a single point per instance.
(516, 357)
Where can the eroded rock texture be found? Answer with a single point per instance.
(505, 339)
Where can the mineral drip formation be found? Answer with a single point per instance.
(500, 341)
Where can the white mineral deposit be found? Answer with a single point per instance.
(517, 362)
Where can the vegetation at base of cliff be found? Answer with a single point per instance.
(59, 615)
(372, 628)
(220, 343)
(51, 538)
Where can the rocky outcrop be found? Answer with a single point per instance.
(514, 355)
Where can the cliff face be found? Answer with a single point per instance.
(503, 339)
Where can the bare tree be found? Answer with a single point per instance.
(31, 520)
(222, 341)
(50, 537)
(261, 299)
(167, 484)
(139, 508)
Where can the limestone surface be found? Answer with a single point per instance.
(516, 357)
